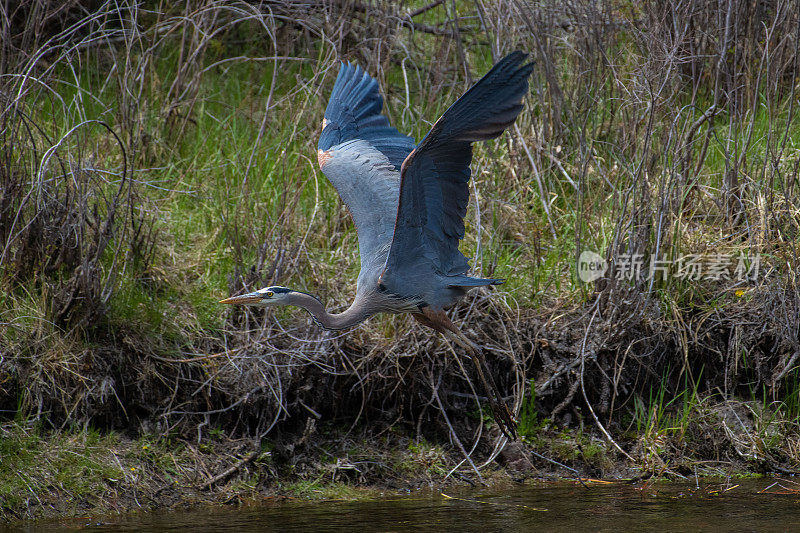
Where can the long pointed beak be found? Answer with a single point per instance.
(250, 298)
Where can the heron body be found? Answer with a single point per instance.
(407, 200)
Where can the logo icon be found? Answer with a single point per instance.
(591, 266)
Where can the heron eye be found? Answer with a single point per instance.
(270, 294)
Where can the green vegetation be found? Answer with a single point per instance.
(154, 159)
(330, 491)
(39, 468)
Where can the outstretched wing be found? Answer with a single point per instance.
(361, 154)
(354, 112)
(434, 190)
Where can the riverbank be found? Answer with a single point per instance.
(78, 472)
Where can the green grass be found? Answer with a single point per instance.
(528, 422)
(316, 490)
(41, 467)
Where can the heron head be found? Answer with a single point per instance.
(266, 297)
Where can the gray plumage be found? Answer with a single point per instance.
(408, 202)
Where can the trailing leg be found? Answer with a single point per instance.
(502, 415)
(438, 320)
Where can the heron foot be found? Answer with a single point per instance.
(504, 419)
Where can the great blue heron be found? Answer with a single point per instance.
(408, 203)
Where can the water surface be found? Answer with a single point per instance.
(752, 505)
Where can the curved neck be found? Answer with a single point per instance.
(353, 315)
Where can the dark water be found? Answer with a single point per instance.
(751, 506)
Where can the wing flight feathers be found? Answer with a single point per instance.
(488, 107)
(434, 190)
(354, 112)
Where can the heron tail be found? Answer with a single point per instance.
(466, 281)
